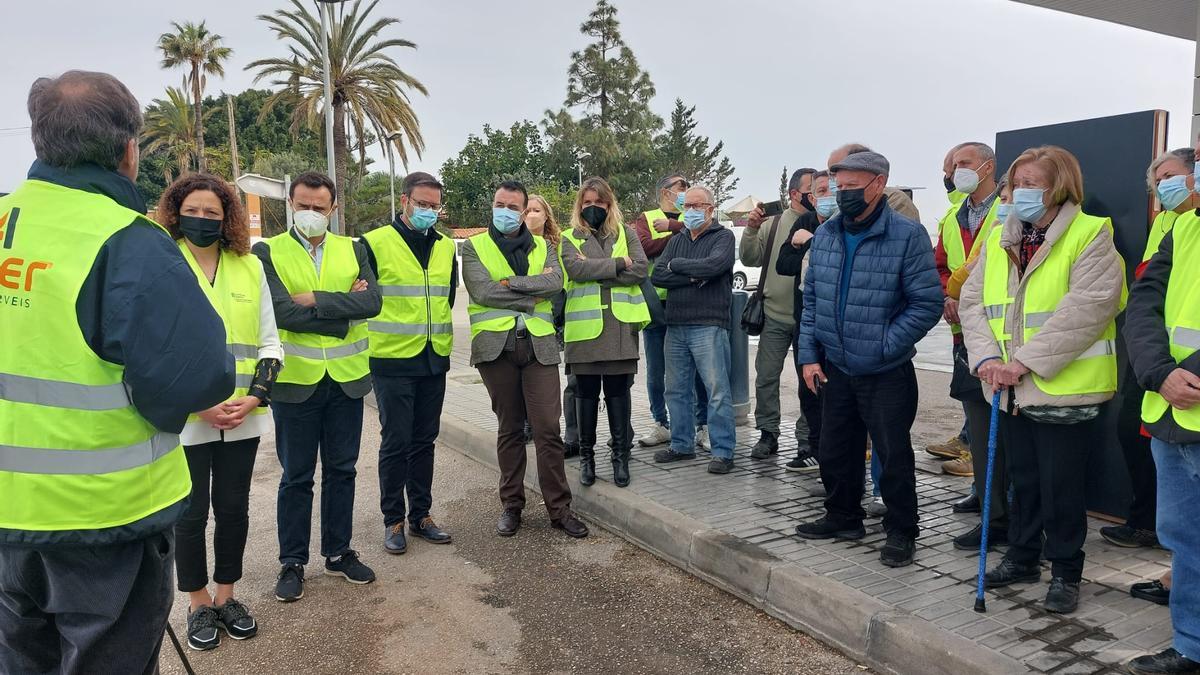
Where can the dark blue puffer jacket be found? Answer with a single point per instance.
(895, 296)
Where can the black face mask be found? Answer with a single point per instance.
(948, 181)
(594, 216)
(852, 203)
(806, 201)
(202, 232)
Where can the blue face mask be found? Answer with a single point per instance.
(679, 201)
(1002, 211)
(826, 206)
(1027, 202)
(1172, 191)
(423, 219)
(694, 219)
(505, 220)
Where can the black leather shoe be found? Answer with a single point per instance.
(767, 445)
(586, 411)
(669, 455)
(429, 531)
(570, 450)
(968, 504)
(510, 522)
(898, 551)
(393, 539)
(1164, 662)
(1153, 591)
(969, 541)
(571, 525)
(621, 437)
(1129, 537)
(824, 528)
(1063, 596)
(1009, 572)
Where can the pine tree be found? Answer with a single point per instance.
(681, 149)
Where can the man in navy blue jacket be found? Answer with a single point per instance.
(872, 291)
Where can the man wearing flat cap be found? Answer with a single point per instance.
(872, 291)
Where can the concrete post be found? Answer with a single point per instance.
(739, 359)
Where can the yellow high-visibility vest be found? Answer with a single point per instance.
(1163, 222)
(75, 454)
(1181, 313)
(540, 323)
(416, 300)
(309, 356)
(1095, 370)
(952, 241)
(584, 312)
(652, 216)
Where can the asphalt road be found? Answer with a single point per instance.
(539, 602)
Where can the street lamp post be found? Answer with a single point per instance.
(580, 155)
(387, 144)
(335, 223)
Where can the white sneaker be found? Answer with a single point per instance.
(702, 437)
(877, 509)
(657, 435)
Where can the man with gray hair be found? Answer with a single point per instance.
(109, 344)
(870, 294)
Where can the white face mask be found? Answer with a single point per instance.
(310, 223)
(966, 180)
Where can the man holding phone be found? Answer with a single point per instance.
(765, 229)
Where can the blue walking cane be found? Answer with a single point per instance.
(980, 603)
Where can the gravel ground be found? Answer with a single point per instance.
(539, 602)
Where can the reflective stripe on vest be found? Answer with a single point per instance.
(583, 313)
(952, 241)
(1181, 316)
(652, 216)
(236, 294)
(75, 454)
(540, 322)
(309, 356)
(416, 300)
(1092, 372)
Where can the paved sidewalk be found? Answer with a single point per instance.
(758, 505)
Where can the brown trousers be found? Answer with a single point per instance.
(522, 388)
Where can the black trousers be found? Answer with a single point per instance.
(223, 470)
(979, 422)
(78, 611)
(810, 403)
(885, 406)
(410, 414)
(1047, 464)
(1143, 477)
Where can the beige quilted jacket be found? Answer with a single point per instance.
(1096, 285)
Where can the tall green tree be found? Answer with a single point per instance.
(193, 47)
(170, 129)
(681, 149)
(606, 113)
(471, 176)
(370, 89)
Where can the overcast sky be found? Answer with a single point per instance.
(780, 81)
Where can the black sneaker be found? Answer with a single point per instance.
(1129, 537)
(767, 445)
(1009, 572)
(1153, 591)
(290, 586)
(718, 465)
(235, 619)
(898, 551)
(668, 455)
(348, 565)
(202, 633)
(805, 462)
(1165, 662)
(1063, 596)
(970, 541)
(968, 504)
(824, 528)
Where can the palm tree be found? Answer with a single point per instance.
(170, 129)
(195, 48)
(370, 90)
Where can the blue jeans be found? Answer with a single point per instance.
(655, 337)
(876, 473)
(1178, 468)
(703, 351)
(328, 425)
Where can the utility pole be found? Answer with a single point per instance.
(233, 147)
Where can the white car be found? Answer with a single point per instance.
(743, 277)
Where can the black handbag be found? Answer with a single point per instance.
(754, 316)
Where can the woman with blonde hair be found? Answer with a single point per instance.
(1038, 314)
(604, 266)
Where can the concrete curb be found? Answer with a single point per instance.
(870, 631)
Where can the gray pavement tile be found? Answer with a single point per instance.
(1024, 648)
(982, 628)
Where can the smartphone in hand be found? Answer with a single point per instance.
(771, 208)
